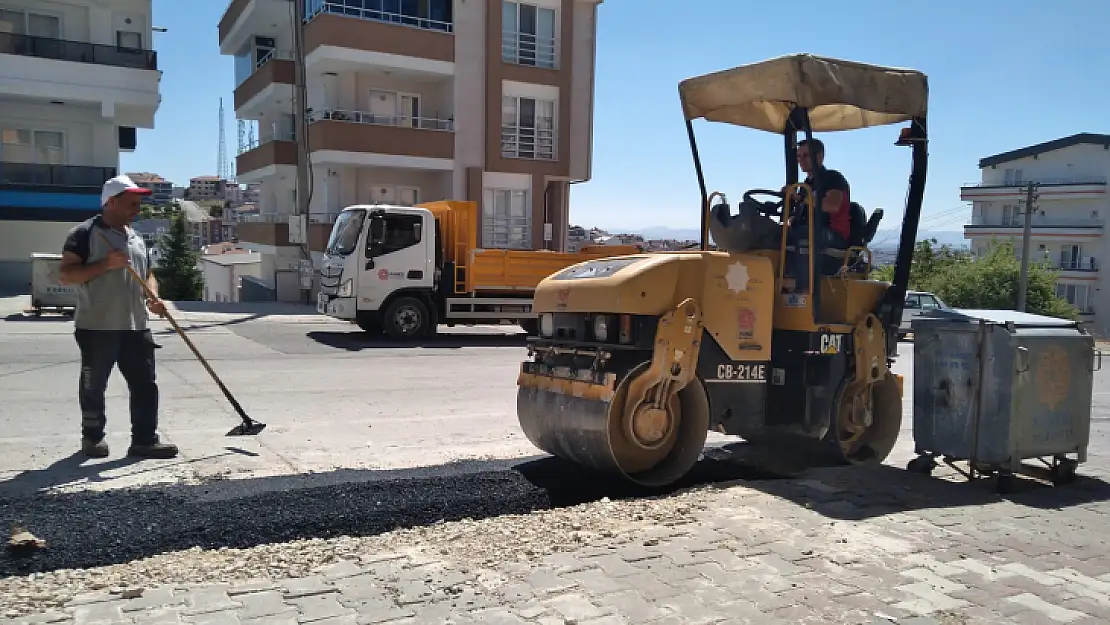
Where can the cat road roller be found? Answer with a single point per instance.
(639, 356)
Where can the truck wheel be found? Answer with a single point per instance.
(406, 318)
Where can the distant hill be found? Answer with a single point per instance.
(886, 239)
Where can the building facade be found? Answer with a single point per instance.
(161, 190)
(207, 188)
(77, 79)
(1068, 218)
(483, 100)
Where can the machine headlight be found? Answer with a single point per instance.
(547, 324)
(601, 328)
(346, 289)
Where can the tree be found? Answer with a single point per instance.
(989, 282)
(179, 280)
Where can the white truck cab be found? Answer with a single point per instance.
(375, 251)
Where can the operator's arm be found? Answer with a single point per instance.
(75, 252)
(835, 187)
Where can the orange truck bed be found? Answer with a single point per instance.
(498, 270)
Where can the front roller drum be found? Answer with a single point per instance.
(651, 447)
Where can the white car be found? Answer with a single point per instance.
(917, 303)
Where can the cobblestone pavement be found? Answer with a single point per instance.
(838, 545)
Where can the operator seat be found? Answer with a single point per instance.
(747, 230)
(862, 230)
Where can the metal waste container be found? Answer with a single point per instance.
(998, 387)
(46, 290)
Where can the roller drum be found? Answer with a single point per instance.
(592, 433)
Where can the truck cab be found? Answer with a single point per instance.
(377, 255)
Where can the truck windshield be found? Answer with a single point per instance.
(344, 235)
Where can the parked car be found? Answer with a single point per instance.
(917, 303)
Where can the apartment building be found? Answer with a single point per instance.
(207, 188)
(77, 79)
(482, 100)
(1068, 219)
(161, 190)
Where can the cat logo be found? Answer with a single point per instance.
(831, 343)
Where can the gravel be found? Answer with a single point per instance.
(141, 538)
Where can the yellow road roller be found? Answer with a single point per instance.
(778, 336)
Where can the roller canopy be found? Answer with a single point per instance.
(840, 95)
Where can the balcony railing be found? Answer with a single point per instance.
(1085, 264)
(979, 222)
(77, 51)
(55, 175)
(1045, 181)
(316, 7)
(528, 142)
(378, 119)
(273, 55)
(529, 49)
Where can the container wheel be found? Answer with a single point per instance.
(922, 464)
(1064, 472)
(868, 420)
(406, 318)
(1006, 484)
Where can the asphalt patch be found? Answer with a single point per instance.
(89, 529)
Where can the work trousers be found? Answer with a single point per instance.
(133, 351)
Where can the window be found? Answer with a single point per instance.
(528, 34)
(394, 108)
(128, 40)
(913, 302)
(428, 14)
(527, 128)
(506, 219)
(401, 232)
(1070, 256)
(21, 22)
(1075, 294)
(1013, 177)
(928, 302)
(20, 145)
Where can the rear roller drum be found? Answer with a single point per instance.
(868, 421)
(649, 446)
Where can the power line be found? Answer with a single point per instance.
(928, 221)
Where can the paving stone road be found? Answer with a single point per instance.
(841, 545)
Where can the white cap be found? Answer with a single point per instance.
(120, 184)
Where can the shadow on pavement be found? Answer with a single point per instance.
(357, 341)
(855, 493)
(88, 529)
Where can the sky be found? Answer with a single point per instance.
(1003, 74)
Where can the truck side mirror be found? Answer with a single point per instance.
(377, 230)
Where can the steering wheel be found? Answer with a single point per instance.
(767, 208)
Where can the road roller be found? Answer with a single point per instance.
(639, 356)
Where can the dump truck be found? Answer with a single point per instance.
(403, 270)
(638, 357)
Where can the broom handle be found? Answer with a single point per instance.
(150, 293)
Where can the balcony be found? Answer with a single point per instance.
(1060, 188)
(528, 143)
(273, 72)
(529, 50)
(374, 139)
(1055, 228)
(350, 40)
(388, 12)
(77, 51)
(258, 160)
(39, 175)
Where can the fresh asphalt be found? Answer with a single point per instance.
(363, 436)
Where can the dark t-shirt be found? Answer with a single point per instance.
(824, 181)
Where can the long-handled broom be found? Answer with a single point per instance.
(248, 427)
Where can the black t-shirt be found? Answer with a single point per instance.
(824, 181)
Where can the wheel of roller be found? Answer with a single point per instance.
(858, 443)
(649, 447)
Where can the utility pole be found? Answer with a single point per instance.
(301, 136)
(1023, 288)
